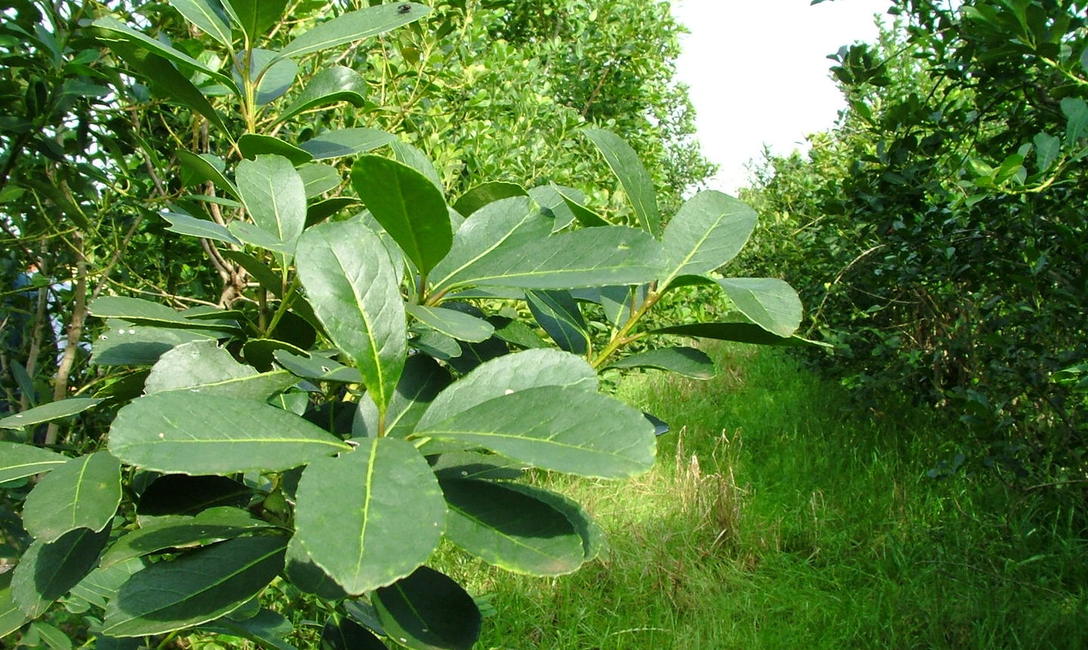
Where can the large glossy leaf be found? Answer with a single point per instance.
(20, 460)
(208, 16)
(355, 25)
(83, 493)
(455, 324)
(203, 586)
(48, 570)
(185, 224)
(428, 611)
(346, 142)
(352, 287)
(11, 616)
(346, 634)
(210, 526)
(407, 205)
(481, 195)
(507, 374)
(329, 86)
(770, 303)
(118, 29)
(422, 380)
(681, 360)
(274, 196)
(592, 257)
(708, 231)
(510, 223)
(126, 344)
(632, 175)
(204, 367)
(559, 315)
(255, 17)
(415, 158)
(194, 433)
(253, 144)
(46, 412)
(511, 529)
(566, 429)
(385, 520)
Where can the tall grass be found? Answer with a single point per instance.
(782, 515)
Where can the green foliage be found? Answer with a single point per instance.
(324, 427)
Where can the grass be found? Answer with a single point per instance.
(782, 515)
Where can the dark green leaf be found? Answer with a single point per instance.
(48, 570)
(422, 380)
(179, 494)
(317, 179)
(184, 224)
(11, 616)
(54, 638)
(322, 210)
(194, 433)
(467, 465)
(83, 493)
(346, 634)
(417, 160)
(591, 534)
(481, 195)
(353, 289)
(354, 26)
(572, 430)
(255, 17)
(208, 16)
(162, 533)
(123, 31)
(516, 332)
(559, 315)
(708, 231)
(204, 167)
(252, 145)
(20, 460)
(428, 611)
(46, 412)
(203, 586)
(204, 367)
(510, 529)
(454, 324)
(385, 521)
(407, 205)
(317, 367)
(307, 576)
(165, 80)
(346, 142)
(101, 585)
(274, 196)
(632, 175)
(268, 629)
(329, 86)
(125, 344)
(740, 332)
(688, 362)
(136, 310)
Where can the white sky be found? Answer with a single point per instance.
(758, 73)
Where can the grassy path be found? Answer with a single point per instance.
(781, 516)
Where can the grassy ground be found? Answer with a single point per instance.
(780, 515)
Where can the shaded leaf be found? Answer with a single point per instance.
(125, 344)
(268, 629)
(184, 224)
(307, 576)
(179, 494)
(428, 611)
(421, 381)
(118, 29)
(255, 17)
(740, 332)
(136, 310)
(559, 315)
(252, 145)
(481, 195)
(170, 532)
(685, 361)
(346, 634)
(204, 367)
(318, 178)
(48, 570)
(18, 460)
(83, 493)
(329, 86)
(632, 175)
(591, 534)
(317, 367)
(203, 167)
(416, 159)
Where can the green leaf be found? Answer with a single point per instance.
(386, 520)
(317, 367)
(354, 26)
(346, 142)
(566, 429)
(274, 196)
(204, 167)
(255, 17)
(516, 332)
(83, 493)
(417, 160)
(353, 289)
(428, 611)
(260, 238)
(46, 412)
(53, 638)
(559, 315)
(19, 460)
(1047, 150)
(423, 379)
(203, 586)
(708, 231)
(48, 570)
(307, 576)
(125, 344)
(11, 616)
(468, 465)
(591, 534)
(267, 629)
(195, 433)
(511, 373)
(770, 303)
(252, 145)
(208, 527)
(329, 86)
(507, 223)
(273, 74)
(165, 80)
(408, 206)
(688, 362)
(510, 529)
(632, 175)
(204, 367)
(452, 323)
(481, 195)
(592, 257)
(318, 178)
(208, 16)
(322, 210)
(101, 585)
(184, 224)
(179, 494)
(136, 310)
(740, 332)
(553, 204)
(573, 202)
(116, 27)
(346, 634)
